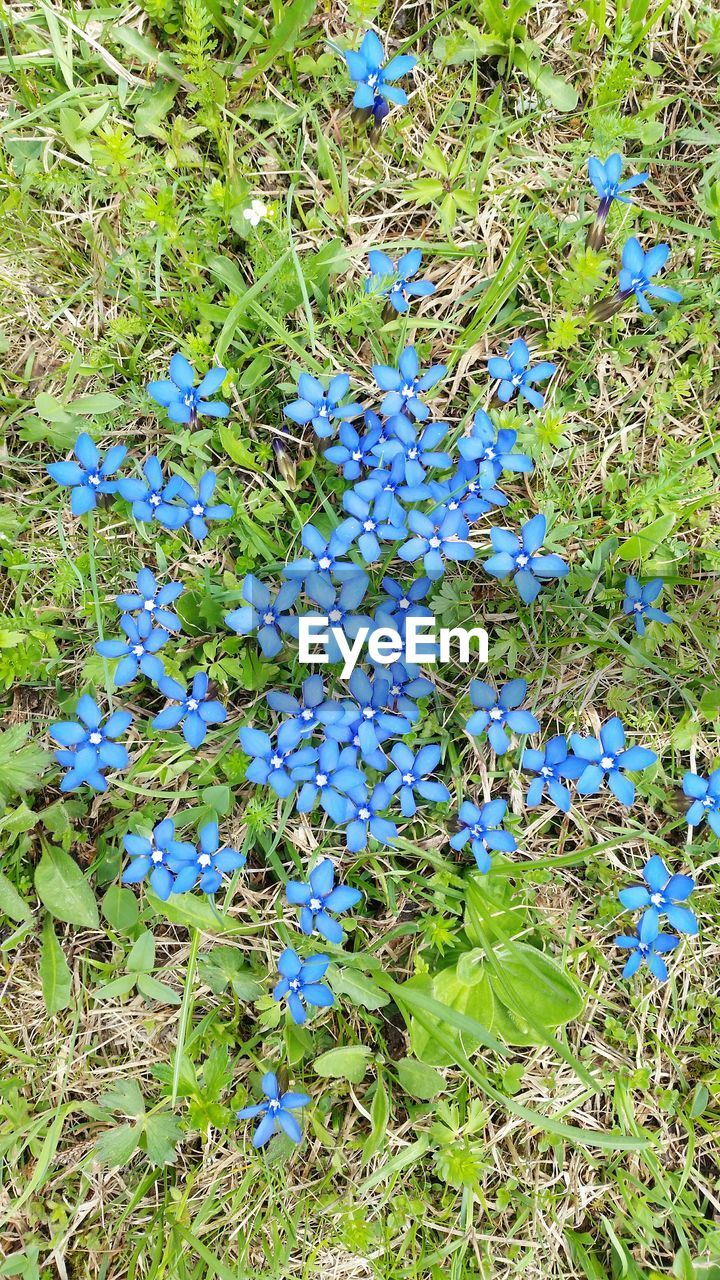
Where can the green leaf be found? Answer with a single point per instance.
(117, 989)
(194, 913)
(218, 798)
(379, 1116)
(226, 966)
(419, 1080)
(11, 904)
(22, 763)
(494, 908)
(358, 988)
(142, 954)
(643, 545)
(558, 92)
(124, 1096)
(456, 48)
(116, 1146)
(64, 891)
(530, 979)
(473, 1000)
(93, 405)
(154, 990)
(120, 908)
(55, 975)
(238, 451)
(160, 1138)
(347, 1063)
(153, 110)
(284, 37)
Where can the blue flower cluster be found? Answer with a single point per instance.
(174, 866)
(660, 895)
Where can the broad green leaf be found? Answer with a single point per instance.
(347, 1063)
(116, 1146)
(456, 48)
(535, 982)
(154, 990)
(22, 763)
(494, 908)
(124, 1096)
(237, 450)
(379, 1116)
(558, 92)
(117, 989)
(11, 904)
(161, 1135)
(419, 1080)
(142, 954)
(194, 913)
(643, 545)
(226, 966)
(55, 975)
(120, 908)
(358, 988)
(218, 798)
(471, 1000)
(153, 110)
(98, 403)
(64, 891)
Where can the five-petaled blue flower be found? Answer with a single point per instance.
(322, 407)
(182, 399)
(369, 529)
(407, 684)
(497, 449)
(516, 375)
(374, 80)
(639, 602)
(151, 498)
(606, 758)
(660, 895)
(300, 983)
(410, 775)
(401, 385)
(364, 818)
(275, 1112)
(319, 898)
(551, 765)
(89, 476)
(327, 555)
(338, 605)
(152, 853)
(327, 779)
(274, 765)
(307, 715)
(606, 181)
(438, 540)
(482, 826)
(152, 600)
(197, 510)
(648, 945)
(395, 282)
(268, 616)
(496, 710)
(86, 748)
(354, 452)
(195, 711)
(403, 602)
(518, 556)
(705, 796)
(138, 652)
(205, 865)
(369, 710)
(638, 268)
(416, 452)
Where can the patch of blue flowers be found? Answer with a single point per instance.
(354, 754)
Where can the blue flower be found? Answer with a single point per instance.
(306, 715)
(517, 556)
(152, 854)
(153, 600)
(406, 684)
(606, 180)
(607, 758)
(89, 475)
(182, 399)
(275, 1112)
(197, 510)
(648, 945)
(195, 711)
(368, 711)
(705, 795)
(395, 282)
(274, 765)
(551, 765)
(369, 529)
(383, 487)
(403, 602)
(436, 541)
(153, 498)
(87, 747)
(410, 775)
(483, 828)
(374, 80)
(319, 406)
(263, 614)
(327, 779)
(496, 450)
(639, 602)
(638, 268)
(469, 491)
(300, 982)
(327, 555)
(355, 452)
(402, 385)
(205, 865)
(138, 652)
(416, 452)
(516, 375)
(497, 710)
(318, 898)
(660, 895)
(364, 817)
(338, 606)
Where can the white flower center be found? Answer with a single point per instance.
(94, 478)
(307, 713)
(408, 390)
(149, 606)
(638, 606)
(404, 603)
(157, 855)
(204, 860)
(496, 713)
(369, 525)
(295, 984)
(192, 704)
(324, 562)
(321, 779)
(335, 615)
(268, 619)
(138, 650)
(154, 499)
(95, 739)
(408, 779)
(546, 771)
(657, 899)
(607, 762)
(434, 541)
(412, 453)
(522, 560)
(198, 509)
(315, 904)
(368, 712)
(363, 814)
(357, 456)
(276, 761)
(396, 690)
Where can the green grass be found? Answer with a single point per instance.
(131, 140)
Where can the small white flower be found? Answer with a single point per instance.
(255, 212)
